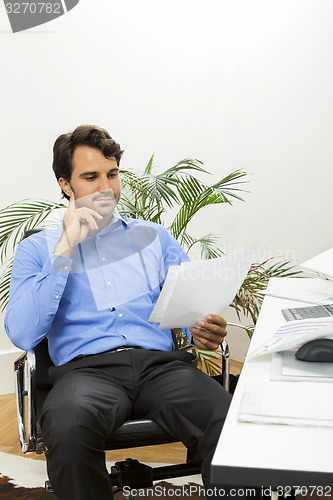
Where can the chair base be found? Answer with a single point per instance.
(133, 474)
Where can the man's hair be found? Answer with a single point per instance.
(84, 135)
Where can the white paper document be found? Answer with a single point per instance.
(195, 289)
(293, 334)
(287, 404)
(286, 367)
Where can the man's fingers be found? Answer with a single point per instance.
(91, 212)
(205, 343)
(214, 323)
(72, 208)
(71, 204)
(81, 216)
(80, 213)
(206, 335)
(212, 328)
(87, 218)
(209, 334)
(216, 319)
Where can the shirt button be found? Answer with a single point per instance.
(57, 296)
(103, 258)
(98, 237)
(66, 267)
(109, 282)
(120, 315)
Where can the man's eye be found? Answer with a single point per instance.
(113, 174)
(90, 178)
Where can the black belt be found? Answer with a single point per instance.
(116, 349)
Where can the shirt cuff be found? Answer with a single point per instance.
(60, 264)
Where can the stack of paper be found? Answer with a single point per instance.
(288, 404)
(294, 334)
(195, 289)
(286, 367)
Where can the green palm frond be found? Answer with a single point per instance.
(157, 188)
(283, 269)
(185, 215)
(248, 328)
(221, 192)
(249, 298)
(151, 213)
(227, 187)
(6, 272)
(128, 208)
(224, 190)
(208, 360)
(149, 166)
(22, 216)
(208, 245)
(183, 166)
(148, 188)
(190, 188)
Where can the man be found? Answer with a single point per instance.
(90, 285)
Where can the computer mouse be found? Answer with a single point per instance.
(316, 350)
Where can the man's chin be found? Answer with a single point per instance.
(107, 210)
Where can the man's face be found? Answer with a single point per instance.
(95, 181)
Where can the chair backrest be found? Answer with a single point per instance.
(29, 232)
(43, 382)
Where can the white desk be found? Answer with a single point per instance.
(273, 455)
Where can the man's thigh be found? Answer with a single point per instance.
(89, 396)
(185, 402)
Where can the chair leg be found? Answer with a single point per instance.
(225, 365)
(48, 487)
(134, 475)
(131, 473)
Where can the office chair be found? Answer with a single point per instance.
(32, 384)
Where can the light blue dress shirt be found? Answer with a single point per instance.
(99, 299)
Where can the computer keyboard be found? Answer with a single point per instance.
(298, 294)
(308, 312)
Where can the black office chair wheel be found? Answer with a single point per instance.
(48, 487)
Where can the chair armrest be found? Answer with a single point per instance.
(25, 389)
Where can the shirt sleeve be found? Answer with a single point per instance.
(37, 283)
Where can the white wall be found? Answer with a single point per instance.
(236, 84)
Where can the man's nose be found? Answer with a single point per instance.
(104, 184)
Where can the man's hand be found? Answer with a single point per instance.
(210, 333)
(77, 223)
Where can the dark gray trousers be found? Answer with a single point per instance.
(94, 395)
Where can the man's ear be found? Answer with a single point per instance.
(64, 186)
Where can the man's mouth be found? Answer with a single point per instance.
(105, 198)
